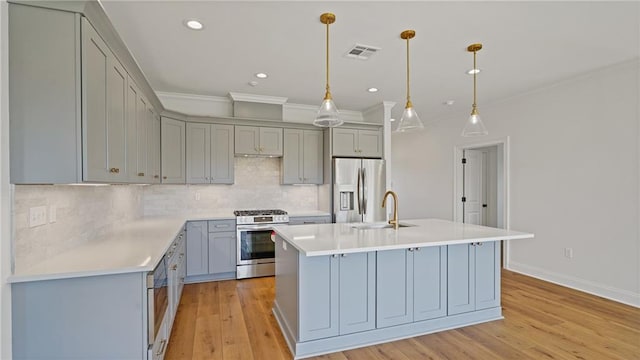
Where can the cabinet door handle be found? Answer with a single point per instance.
(334, 255)
(114, 170)
(141, 174)
(479, 244)
(417, 249)
(343, 255)
(410, 249)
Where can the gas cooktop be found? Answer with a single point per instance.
(259, 212)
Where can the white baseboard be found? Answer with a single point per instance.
(602, 290)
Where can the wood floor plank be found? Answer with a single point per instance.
(233, 320)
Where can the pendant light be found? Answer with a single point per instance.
(474, 126)
(328, 115)
(410, 120)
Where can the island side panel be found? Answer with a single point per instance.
(287, 279)
(319, 297)
(80, 318)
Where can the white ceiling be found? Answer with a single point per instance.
(526, 45)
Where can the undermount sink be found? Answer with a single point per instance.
(378, 225)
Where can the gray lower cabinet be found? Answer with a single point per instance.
(337, 295)
(172, 152)
(210, 154)
(302, 159)
(197, 248)
(211, 250)
(474, 281)
(411, 285)
(302, 220)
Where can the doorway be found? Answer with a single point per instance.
(481, 186)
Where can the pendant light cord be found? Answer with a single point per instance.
(408, 93)
(475, 72)
(328, 94)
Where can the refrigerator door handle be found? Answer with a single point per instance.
(358, 191)
(364, 191)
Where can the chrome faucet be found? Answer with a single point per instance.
(393, 221)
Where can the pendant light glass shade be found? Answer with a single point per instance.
(410, 121)
(328, 115)
(474, 125)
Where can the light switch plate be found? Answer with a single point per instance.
(37, 216)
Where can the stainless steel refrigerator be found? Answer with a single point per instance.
(358, 188)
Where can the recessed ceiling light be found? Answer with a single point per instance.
(372, 89)
(392, 119)
(448, 102)
(193, 24)
(473, 71)
(262, 75)
(253, 83)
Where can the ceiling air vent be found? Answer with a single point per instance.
(362, 52)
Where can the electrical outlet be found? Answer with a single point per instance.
(568, 253)
(37, 216)
(197, 195)
(53, 213)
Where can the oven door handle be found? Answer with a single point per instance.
(257, 227)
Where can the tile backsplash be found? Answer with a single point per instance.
(83, 213)
(257, 185)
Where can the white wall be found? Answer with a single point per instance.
(574, 178)
(5, 192)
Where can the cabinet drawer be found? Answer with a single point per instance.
(301, 220)
(222, 225)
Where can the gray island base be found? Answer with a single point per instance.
(340, 287)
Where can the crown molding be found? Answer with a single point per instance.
(264, 99)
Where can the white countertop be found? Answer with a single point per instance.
(309, 213)
(330, 239)
(135, 247)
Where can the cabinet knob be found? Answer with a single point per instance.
(141, 174)
(156, 176)
(114, 170)
(343, 255)
(479, 244)
(334, 255)
(164, 177)
(410, 249)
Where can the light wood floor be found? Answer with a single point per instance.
(233, 320)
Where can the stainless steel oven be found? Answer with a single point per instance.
(157, 300)
(255, 248)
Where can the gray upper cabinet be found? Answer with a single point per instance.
(70, 103)
(141, 138)
(473, 281)
(173, 151)
(357, 143)
(210, 154)
(104, 111)
(254, 140)
(154, 146)
(302, 158)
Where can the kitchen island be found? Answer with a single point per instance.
(342, 286)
